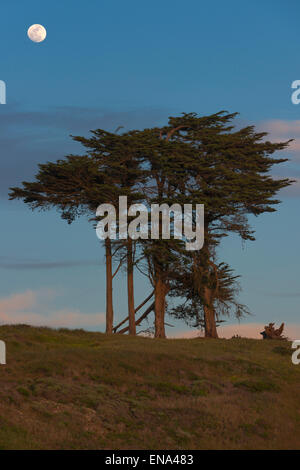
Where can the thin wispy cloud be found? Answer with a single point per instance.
(282, 294)
(6, 263)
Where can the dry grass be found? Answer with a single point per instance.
(77, 390)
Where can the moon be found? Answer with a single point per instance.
(37, 33)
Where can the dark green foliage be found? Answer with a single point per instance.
(198, 160)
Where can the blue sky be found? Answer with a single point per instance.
(105, 64)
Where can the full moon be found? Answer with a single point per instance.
(37, 33)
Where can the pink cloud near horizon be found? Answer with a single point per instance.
(280, 130)
(24, 308)
(247, 330)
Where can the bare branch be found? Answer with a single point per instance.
(142, 317)
(144, 302)
(116, 271)
(136, 310)
(174, 130)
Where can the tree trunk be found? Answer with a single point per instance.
(209, 315)
(130, 289)
(109, 294)
(160, 293)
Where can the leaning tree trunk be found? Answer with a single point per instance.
(130, 289)
(109, 294)
(209, 315)
(160, 292)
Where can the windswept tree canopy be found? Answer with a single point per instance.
(192, 160)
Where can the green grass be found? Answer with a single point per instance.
(66, 389)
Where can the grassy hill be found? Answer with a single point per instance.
(78, 390)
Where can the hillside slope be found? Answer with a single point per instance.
(78, 390)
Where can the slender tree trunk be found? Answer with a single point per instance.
(209, 315)
(160, 292)
(109, 293)
(130, 289)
